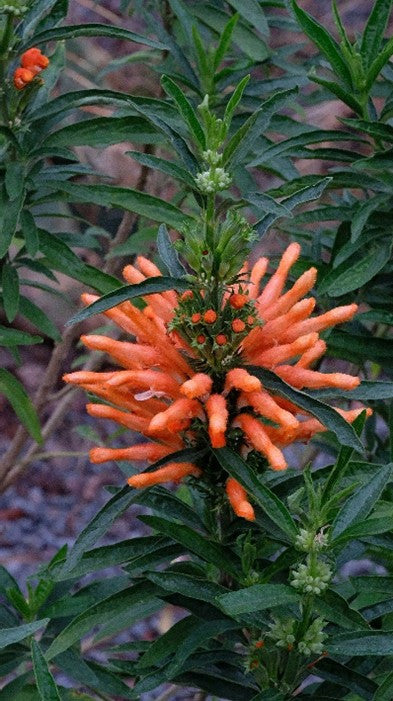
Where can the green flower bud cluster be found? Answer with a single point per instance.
(310, 541)
(13, 7)
(212, 157)
(311, 643)
(213, 180)
(311, 578)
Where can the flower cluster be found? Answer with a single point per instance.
(33, 61)
(311, 642)
(13, 7)
(213, 180)
(312, 577)
(184, 380)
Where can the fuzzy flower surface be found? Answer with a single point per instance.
(183, 380)
(32, 62)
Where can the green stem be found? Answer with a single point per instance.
(4, 51)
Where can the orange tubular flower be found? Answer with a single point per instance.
(34, 60)
(238, 499)
(22, 77)
(176, 385)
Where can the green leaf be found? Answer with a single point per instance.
(258, 597)
(374, 30)
(367, 643)
(91, 30)
(253, 13)
(102, 131)
(244, 138)
(360, 504)
(267, 204)
(9, 636)
(225, 40)
(235, 99)
(371, 526)
(37, 317)
(99, 524)
(21, 404)
(338, 91)
(328, 416)
(14, 180)
(13, 337)
(305, 194)
(270, 503)
(165, 503)
(363, 212)
(99, 614)
(164, 166)
(385, 690)
(206, 549)
(347, 278)
(342, 462)
(186, 110)
(30, 232)
(335, 609)
(380, 60)
(187, 585)
(123, 198)
(46, 685)
(168, 254)
(361, 347)
(325, 42)
(347, 677)
(201, 632)
(10, 285)
(127, 292)
(9, 217)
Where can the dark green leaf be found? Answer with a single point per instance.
(342, 94)
(305, 194)
(21, 404)
(235, 99)
(258, 597)
(164, 166)
(101, 132)
(206, 549)
(335, 609)
(10, 285)
(328, 416)
(127, 292)
(13, 337)
(369, 643)
(46, 685)
(91, 30)
(29, 231)
(168, 254)
(201, 632)
(97, 527)
(385, 690)
(270, 503)
(186, 110)
(374, 30)
(225, 41)
(347, 278)
(325, 42)
(253, 13)
(9, 636)
(345, 676)
(379, 62)
(188, 585)
(100, 613)
(14, 180)
(124, 198)
(37, 317)
(360, 504)
(363, 212)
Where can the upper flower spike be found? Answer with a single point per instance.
(182, 384)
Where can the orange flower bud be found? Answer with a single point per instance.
(196, 318)
(22, 77)
(238, 499)
(217, 413)
(237, 300)
(172, 472)
(201, 339)
(259, 644)
(238, 325)
(250, 320)
(34, 60)
(221, 339)
(199, 385)
(188, 294)
(210, 316)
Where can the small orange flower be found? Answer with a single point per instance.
(238, 326)
(210, 316)
(22, 77)
(34, 60)
(175, 389)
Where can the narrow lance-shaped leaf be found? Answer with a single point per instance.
(258, 597)
(168, 254)
(360, 504)
(46, 685)
(112, 299)
(374, 30)
(186, 110)
(325, 42)
(9, 636)
(91, 30)
(21, 404)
